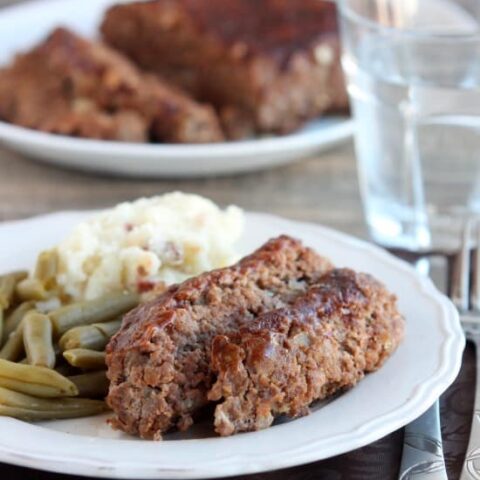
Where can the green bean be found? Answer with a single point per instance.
(38, 381)
(94, 311)
(46, 268)
(91, 384)
(109, 328)
(93, 337)
(85, 409)
(26, 407)
(37, 340)
(83, 358)
(13, 320)
(31, 289)
(8, 283)
(13, 347)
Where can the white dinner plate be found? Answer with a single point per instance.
(24, 25)
(422, 368)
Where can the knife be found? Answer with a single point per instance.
(422, 457)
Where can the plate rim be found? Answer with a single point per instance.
(343, 126)
(425, 395)
(174, 160)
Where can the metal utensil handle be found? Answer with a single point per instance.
(471, 465)
(422, 457)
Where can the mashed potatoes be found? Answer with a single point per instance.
(135, 246)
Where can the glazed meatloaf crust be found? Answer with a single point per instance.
(267, 65)
(158, 363)
(339, 329)
(72, 86)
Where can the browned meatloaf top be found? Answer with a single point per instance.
(342, 327)
(158, 363)
(275, 28)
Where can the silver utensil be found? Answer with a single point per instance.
(465, 293)
(422, 455)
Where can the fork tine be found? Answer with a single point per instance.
(475, 287)
(460, 274)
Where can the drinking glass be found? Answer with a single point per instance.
(413, 73)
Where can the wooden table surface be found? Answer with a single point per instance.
(323, 190)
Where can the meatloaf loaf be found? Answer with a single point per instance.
(72, 86)
(267, 65)
(159, 362)
(339, 329)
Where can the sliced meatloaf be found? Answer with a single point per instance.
(267, 65)
(71, 86)
(158, 363)
(339, 329)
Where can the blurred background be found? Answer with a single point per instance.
(322, 188)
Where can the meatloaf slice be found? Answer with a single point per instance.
(342, 327)
(72, 86)
(158, 363)
(267, 65)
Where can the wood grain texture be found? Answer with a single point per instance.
(322, 189)
(6, 3)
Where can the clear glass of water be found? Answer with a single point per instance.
(413, 72)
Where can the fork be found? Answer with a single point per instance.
(465, 294)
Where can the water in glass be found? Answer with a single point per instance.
(413, 70)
